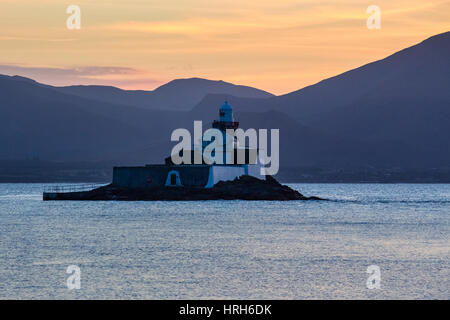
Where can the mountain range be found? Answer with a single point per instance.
(180, 94)
(392, 114)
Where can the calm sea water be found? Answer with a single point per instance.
(229, 249)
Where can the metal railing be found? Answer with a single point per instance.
(72, 188)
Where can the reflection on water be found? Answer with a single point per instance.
(229, 249)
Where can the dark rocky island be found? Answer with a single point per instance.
(243, 188)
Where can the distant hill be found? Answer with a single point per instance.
(422, 70)
(393, 113)
(403, 99)
(38, 121)
(180, 94)
(41, 122)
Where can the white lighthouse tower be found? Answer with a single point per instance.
(226, 121)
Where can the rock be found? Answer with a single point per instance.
(243, 188)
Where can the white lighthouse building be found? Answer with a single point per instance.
(204, 175)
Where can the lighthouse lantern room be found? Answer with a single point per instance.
(226, 120)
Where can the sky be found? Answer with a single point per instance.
(279, 46)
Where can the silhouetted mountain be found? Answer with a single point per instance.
(181, 94)
(422, 70)
(393, 113)
(404, 99)
(39, 121)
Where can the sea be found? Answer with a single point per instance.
(366, 241)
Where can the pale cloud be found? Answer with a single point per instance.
(85, 71)
(37, 39)
(123, 77)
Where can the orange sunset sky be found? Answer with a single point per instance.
(278, 46)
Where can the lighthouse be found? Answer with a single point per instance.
(201, 175)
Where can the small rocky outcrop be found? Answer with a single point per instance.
(251, 188)
(243, 188)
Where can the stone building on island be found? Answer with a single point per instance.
(203, 175)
